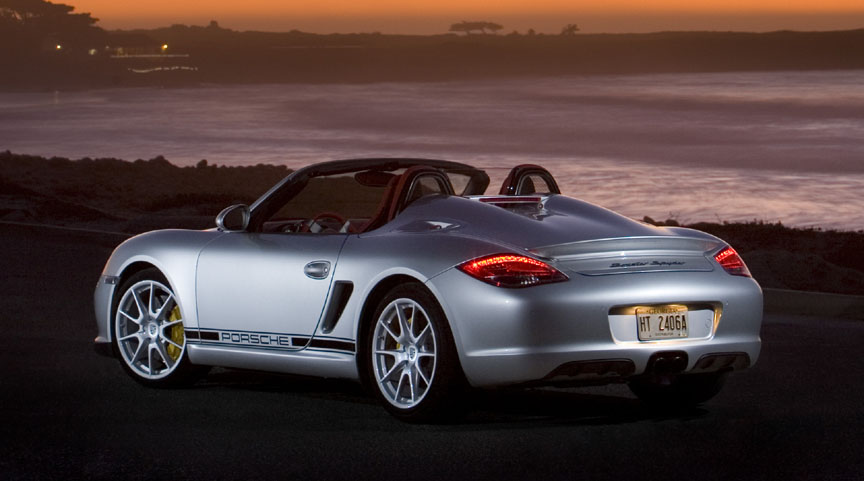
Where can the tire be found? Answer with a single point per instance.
(411, 362)
(684, 390)
(148, 334)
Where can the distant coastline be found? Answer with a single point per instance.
(133, 197)
(186, 56)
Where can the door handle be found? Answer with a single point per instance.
(317, 269)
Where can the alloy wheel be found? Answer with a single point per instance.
(404, 353)
(149, 329)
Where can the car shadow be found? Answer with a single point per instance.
(565, 406)
(475, 409)
(306, 386)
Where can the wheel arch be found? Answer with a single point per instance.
(109, 307)
(130, 269)
(141, 263)
(134, 268)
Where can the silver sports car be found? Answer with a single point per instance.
(406, 275)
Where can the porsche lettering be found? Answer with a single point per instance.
(255, 338)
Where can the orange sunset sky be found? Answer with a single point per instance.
(434, 16)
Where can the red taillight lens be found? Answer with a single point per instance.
(510, 270)
(732, 263)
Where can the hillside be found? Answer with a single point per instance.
(205, 55)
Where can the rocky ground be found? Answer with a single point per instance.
(132, 197)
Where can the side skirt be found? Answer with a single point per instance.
(310, 361)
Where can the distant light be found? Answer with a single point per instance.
(59, 47)
(164, 47)
(92, 51)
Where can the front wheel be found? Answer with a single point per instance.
(149, 336)
(410, 356)
(684, 390)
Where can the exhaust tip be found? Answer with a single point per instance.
(667, 362)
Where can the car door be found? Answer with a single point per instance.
(264, 290)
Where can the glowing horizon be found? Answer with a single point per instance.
(394, 16)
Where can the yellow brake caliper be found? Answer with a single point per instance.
(176, 334)
(410, 320)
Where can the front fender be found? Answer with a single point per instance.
(173, 252)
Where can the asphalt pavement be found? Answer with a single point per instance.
(69, 413)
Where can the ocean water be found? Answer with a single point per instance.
(778, 146)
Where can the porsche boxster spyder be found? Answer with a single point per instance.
(406, 275)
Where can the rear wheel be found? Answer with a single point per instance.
(683, 390)
(411, 360)
(148, 332)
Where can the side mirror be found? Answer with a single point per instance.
(234, 218)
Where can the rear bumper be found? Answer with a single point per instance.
(572, 332)
(593, 368)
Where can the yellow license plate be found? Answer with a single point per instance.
(662, 322)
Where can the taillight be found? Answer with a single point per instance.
(510, 270)
(732, 263)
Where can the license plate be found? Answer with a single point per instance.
(662, 322)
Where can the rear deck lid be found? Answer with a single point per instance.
(632, 255)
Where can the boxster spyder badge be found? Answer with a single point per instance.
(406, 275)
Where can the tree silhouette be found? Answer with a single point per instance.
(468, 27)
(32, 23)
(494, 27)
(570, 29)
